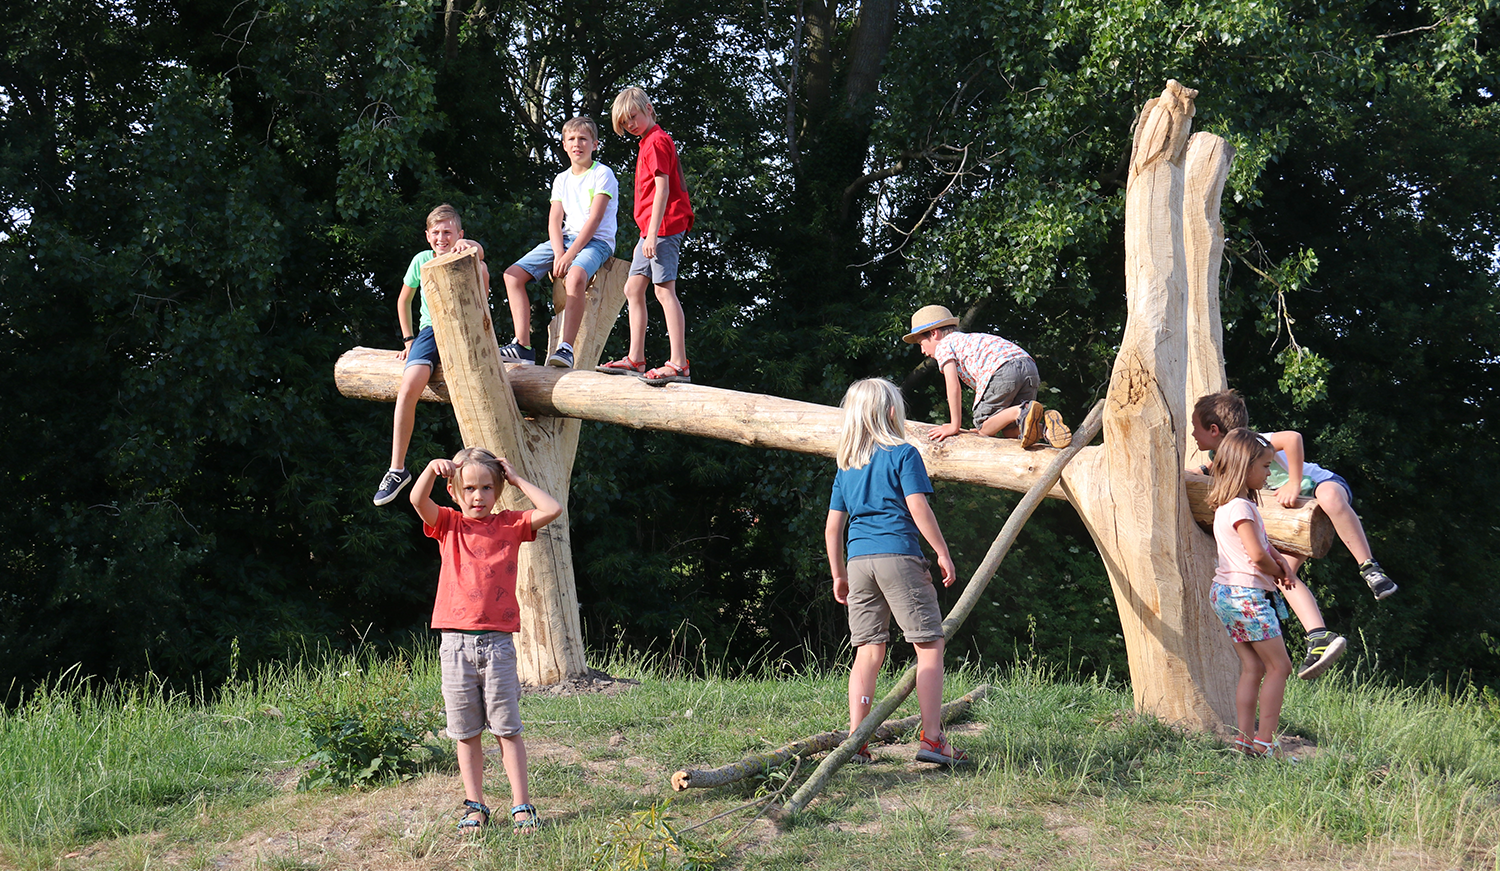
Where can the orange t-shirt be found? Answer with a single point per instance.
(477, 584)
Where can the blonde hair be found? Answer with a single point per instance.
(581, 122)
(1231, 469)
(1225, 409)
(874, 414)
(630, 99)
(444, 212)
(478, 457)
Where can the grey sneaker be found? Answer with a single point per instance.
(516, 352)
(1322, 651)
(392, 485)
(1380, 583)
(562, 358)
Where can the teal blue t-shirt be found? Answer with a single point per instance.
(874, 497)
(414, 279)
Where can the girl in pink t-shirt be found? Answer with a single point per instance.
(1244, 589)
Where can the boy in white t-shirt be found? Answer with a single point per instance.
(580, 237)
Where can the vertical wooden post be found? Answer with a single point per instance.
(1131, 495)
(549, 647)
(1206, 170)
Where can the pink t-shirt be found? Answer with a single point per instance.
(978, 356)
(477, 584)
(1235, 568)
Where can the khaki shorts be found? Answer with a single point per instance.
(891, 584)
(480, 686)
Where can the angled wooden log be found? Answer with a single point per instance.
(754, 764)
(781, 424)
(549, 647)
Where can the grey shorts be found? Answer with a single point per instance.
(891, 584)
(663, 267)
(1015, 382)
(480, 687)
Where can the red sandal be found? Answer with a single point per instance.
(667, 372)
(622, 366)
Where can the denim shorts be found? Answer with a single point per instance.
(1338, 479)
(423, 351)
(1249, 613)
(892, 584)
(1015, 382)
(538, 261)
(663, 267)
(481, 689)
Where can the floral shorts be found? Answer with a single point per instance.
(1248, 613)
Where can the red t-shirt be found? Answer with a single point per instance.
(659, 155)
(477, 584)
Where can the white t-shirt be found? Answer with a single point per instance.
(577, 192)
(1235, 568)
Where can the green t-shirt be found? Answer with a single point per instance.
(414, 279)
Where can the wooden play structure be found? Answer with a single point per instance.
(1141, 508)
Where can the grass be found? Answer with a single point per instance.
(1067, 777)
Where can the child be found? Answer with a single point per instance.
(664, 216)
(476, 610)
(445, 233)
(881, 489)
(1218, 413)
(1003, 377)
(1244, 586)
(580, 237)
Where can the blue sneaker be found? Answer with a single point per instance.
(516, 352)
(562, 358)
(392, 485)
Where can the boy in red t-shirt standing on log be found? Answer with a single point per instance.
(477, 612)
(664, 216)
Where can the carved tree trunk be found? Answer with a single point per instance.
(1132, 494)
(549, 647)
(1207, 168)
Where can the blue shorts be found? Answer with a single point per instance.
(1249, 613)
(423, 350)
(663, 267)
(538, 261)
(1339, 480)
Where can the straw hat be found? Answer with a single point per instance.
(928, 317)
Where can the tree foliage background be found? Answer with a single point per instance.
(205, 203)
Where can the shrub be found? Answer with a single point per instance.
(363, 724)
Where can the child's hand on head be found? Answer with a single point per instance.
(510, 471)
(443, 468)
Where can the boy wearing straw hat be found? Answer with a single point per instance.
(1003, 377)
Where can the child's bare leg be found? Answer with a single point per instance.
(576, 284)
(862, 675)
(930, 687)
(1247, 690)
(413, 382)
(635, 295)
(513, 753)
(1278, 667)
(471, 767)
(1300, 599)
(671, 308)
(1335, 503)
(520, 304)
(1005, 417)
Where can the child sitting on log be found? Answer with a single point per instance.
(1291, 477)
(477, 612)
(580, 237)
(1003, 377)
(445, 233)
(881, 491)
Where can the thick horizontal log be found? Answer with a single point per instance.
(782, 424)
(755, 764)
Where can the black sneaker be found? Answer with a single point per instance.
(1380, 583)
(1322, 651)
(392, 485)
(562, 358)
(516, 352)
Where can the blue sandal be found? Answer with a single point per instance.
(530, 821)
(469, 822)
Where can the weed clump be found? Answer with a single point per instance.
(363, 725)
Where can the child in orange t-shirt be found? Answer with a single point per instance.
(664, 215)
(476, 610)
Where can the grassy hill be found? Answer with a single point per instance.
(1066, 777)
